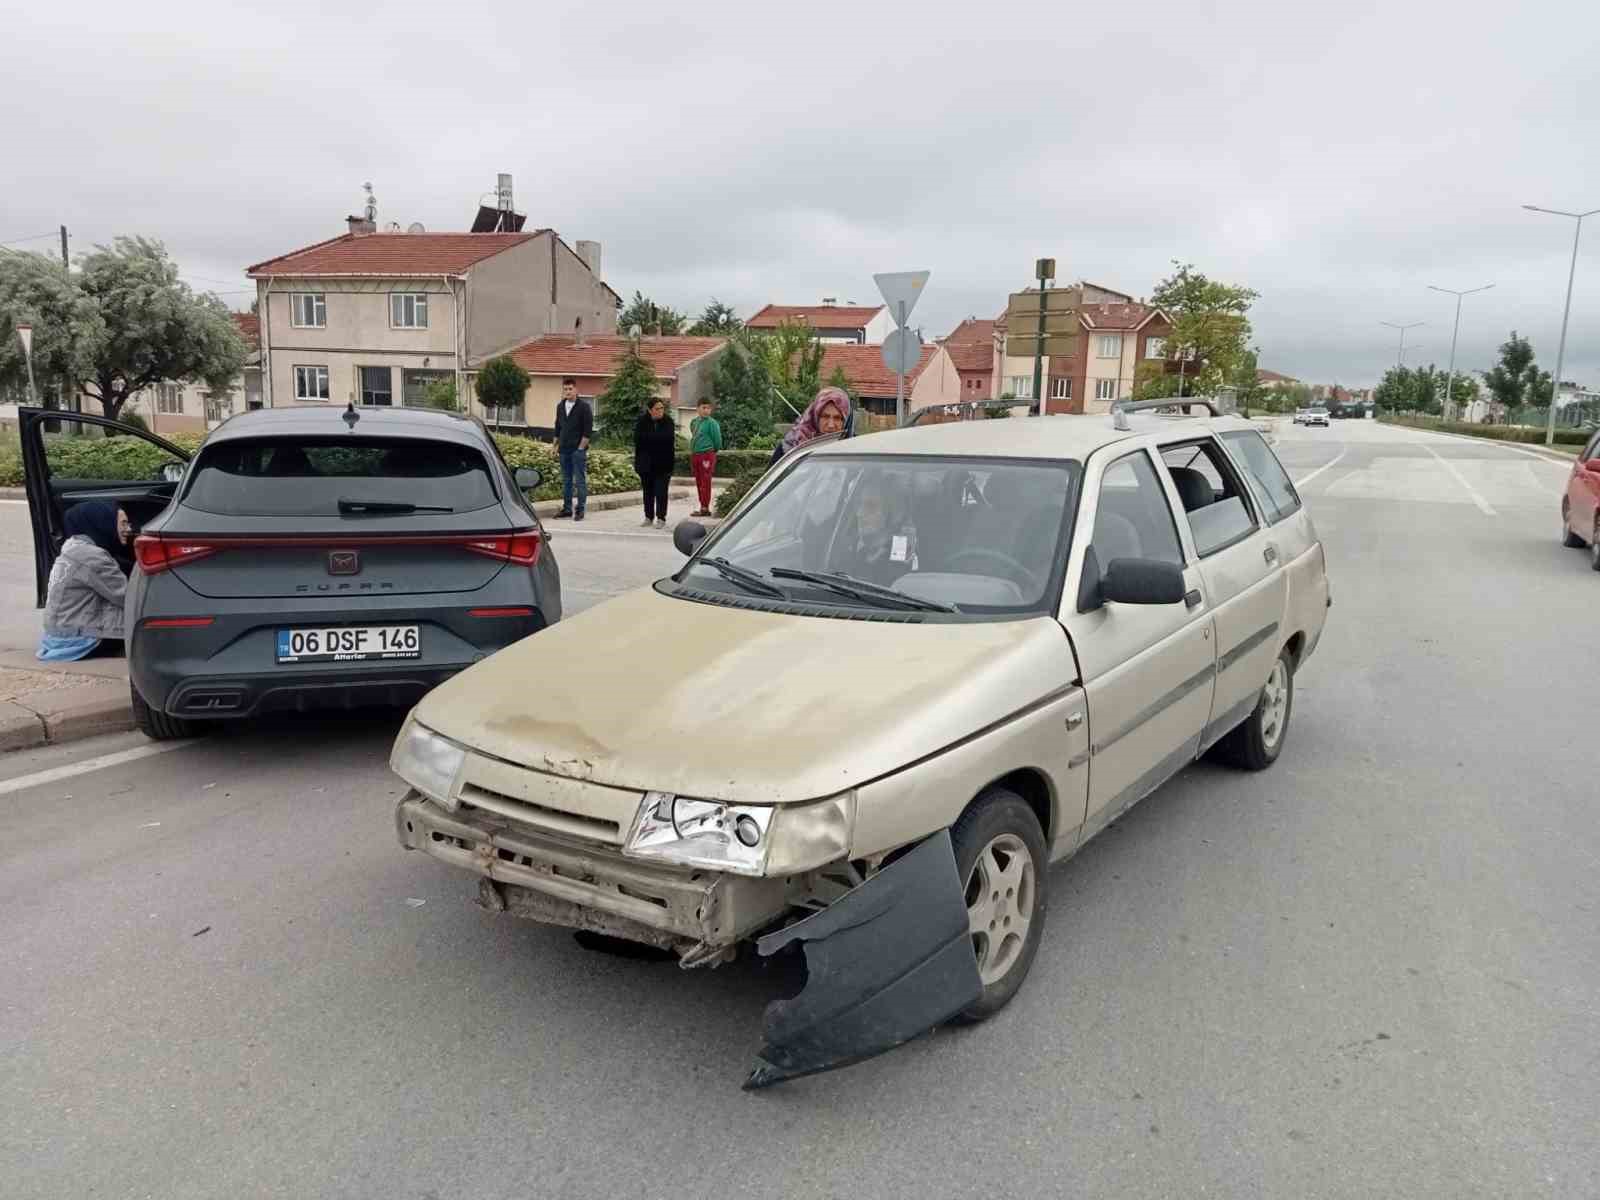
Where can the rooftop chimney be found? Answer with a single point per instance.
(590, 253)
(361, 225)
(502, 192)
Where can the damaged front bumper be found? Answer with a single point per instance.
(696, 913)
(889, 960)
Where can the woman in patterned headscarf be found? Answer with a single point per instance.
(828, 413)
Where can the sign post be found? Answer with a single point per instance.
(1044, 270)
(900, 291)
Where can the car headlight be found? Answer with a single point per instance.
(746, 839)
(428, 761)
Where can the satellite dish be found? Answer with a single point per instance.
(415, 227)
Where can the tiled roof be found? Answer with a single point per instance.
(863, 367)
(599, 355)
(392, 255)
(1112, 317)
(818, 316)
(1265, 376)
(971, 332)
(971, 356)
(249, 327)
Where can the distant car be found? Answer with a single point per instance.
(1300, 415)
(310, 557)
(1016, 629)
(1580, 507)
(1316, 416)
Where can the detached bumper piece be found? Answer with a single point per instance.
(889, 961)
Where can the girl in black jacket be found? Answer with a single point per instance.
(655, 448)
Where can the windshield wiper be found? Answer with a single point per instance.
(862, 590)
(748, 579)
(347, 505)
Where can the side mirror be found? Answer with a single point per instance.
(528, 478)
(1142, 581)
(687, 536)
(172, 472)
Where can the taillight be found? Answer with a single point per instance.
(155, 555)
(519, 548)
(179, 622)
(500, 612)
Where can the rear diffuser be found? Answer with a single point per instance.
(888, 961)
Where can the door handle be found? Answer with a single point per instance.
(1074, 720)
(1192, 598)
(1270, 554)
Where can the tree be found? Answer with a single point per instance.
(38, 290)
(628, 394)
(650, 318)
(1508, 380)
(152, 326)
(501, 388)
(1245, 380)
(1210, 328)
(718, 320)
(1407, 389)
(440, 394)
(791, 356)
(744, 401)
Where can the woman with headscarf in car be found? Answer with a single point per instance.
(876, 545)
(828, 413)
(83, 606)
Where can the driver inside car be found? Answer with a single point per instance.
(876, 545)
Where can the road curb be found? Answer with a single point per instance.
(58, 715)
(549, 508)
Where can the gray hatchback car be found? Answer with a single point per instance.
(311, 558)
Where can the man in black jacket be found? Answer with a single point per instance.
(574, 428)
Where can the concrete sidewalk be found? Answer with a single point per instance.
(44, 703)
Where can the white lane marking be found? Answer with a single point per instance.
(1483, 505)
(13, 501)
(99, 763)
(1565, 465)
(1307, 479)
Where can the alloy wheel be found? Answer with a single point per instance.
(1000, 893)
(1274, 700)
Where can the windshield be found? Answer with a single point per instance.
(969, 535)
(360, 478)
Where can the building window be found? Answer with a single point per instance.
(427, 389)
(408, 310)
(1155, 348)
(1060, 389)
(377, 386)
(218, 409)
(1110, 345)
(308, 310)
(169, 398)
(1105, 389)
(311, 383)
(1020, 387)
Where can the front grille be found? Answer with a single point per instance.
(538, 815)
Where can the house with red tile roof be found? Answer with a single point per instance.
(375, 318)
(1113, 335)
(934, 380)
(862, 324)
(1273, 379)
(682, 365)
(974, 349)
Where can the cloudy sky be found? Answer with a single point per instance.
(1338, 158)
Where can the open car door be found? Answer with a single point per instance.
(157, 468)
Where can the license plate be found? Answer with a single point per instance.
(349, 643)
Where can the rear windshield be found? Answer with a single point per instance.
(329, 477)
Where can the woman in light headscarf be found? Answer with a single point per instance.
(83, 607)
(828, 413)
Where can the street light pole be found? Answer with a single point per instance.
(1566, 311)
(25, 332)
(1450, 378)
(1400, 358)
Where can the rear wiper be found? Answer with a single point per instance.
(862, 590)
(739, 575)
(347, 505)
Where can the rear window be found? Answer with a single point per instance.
(329, 477)
(1263, 465)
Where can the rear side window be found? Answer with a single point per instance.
(330, 477)
(1213, 496)
(1268, 472)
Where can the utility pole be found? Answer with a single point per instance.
(65, 265)
(1044, 270)
(1400, 358)
(1450, 377)
(1566, 311)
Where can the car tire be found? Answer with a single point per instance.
(156, 725)
(1594, 546)
(1000, 849)
(1255, 743)
(1568, 539)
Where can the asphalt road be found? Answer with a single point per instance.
(1371, 971)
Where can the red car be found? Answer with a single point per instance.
(1580, 507)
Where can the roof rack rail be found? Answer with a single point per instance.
(1121, 409)
(968, 410)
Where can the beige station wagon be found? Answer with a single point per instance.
(909, 672)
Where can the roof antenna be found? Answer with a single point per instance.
(1119, 419)
(351, 416)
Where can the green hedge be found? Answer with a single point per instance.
(1499, 433)
(135, 458)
